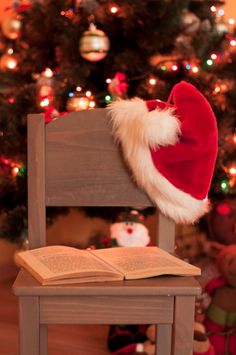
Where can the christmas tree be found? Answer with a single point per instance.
(60, 56)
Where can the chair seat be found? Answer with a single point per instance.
(26, 285)
(147, 300)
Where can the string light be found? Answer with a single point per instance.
(10, 51)
(209, 62)
(15, 171)
(195, 69)
(12, 63)
(88, 93)
(44, 102)
(108, 98)
(221, 12)
(47, 73)
(224, 185)
(213, 56)
(233, 42)
(174, 67)
(188, 66)
(114, 9)
(152, 81)
(213, 8)
(92, 104)
(163, 68)
(232, 170)
(231, 21)
(78, 88)
(217, 90)
(108, 80)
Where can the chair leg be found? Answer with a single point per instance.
(183, 325)
(43, 339)
(164, 339)
(29, 325)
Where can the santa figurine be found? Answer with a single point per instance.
(129, 231)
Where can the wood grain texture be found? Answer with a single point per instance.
(165, 233)
(164, 339)
(36, 181)
(29, 325)
(84, 166)
(183, 325)
(106, 310)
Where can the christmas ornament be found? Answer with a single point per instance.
(8, 62)
(190, 23)
(166, 153)
(77, 103)
(94, 44)
(118, 85)
(11, 24)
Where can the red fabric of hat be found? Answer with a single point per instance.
(171, 149)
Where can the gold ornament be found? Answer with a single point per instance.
(8, 62)
(190, 23)
(11, 25)
(94, 44)
(77, 103)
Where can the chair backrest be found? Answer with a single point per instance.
(74, 161)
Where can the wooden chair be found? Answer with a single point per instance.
(73, 161)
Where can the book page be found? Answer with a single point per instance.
(141, 262)
(54, 262)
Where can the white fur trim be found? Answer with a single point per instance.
(130, 129)
(157, 127)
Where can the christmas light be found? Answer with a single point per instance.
(233, 42)
(12, 63)
(44, 102)
(163, 68)
(224, 185)
(217, 90)
(213, 8)
(108, 80)
(114, 9)
(174, 67)
(209, 62)
(78, 88)
(10, 51)
(195, 69)
(11, 100)
(231, 21)
(92, 104)
(232, 170)
(221, 12)
(70, 94)
(152, 81)
(88, 93)
(213, 56)
(188, 66)
(15, 171)
(234, 138)
(108, 98)
(47, 73)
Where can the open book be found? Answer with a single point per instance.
(54, 265)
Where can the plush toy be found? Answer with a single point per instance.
(201, 343)
(129, 231)
(220, 319)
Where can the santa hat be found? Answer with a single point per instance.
(171, 149)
